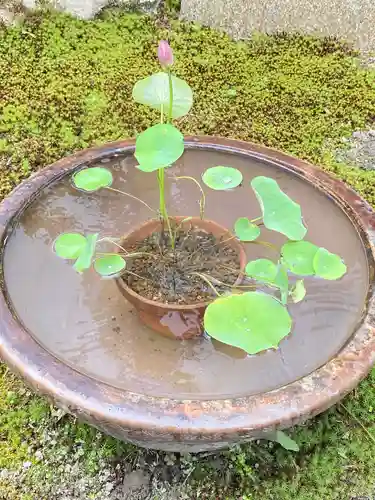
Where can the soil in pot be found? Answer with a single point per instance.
(174, 275)
(86, 322)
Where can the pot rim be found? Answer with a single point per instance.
(111, 408)
(186, 307)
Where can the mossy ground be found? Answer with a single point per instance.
(66, 84)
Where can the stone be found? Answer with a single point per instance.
(86, 9)
(351, 20)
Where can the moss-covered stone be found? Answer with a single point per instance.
(65, 85)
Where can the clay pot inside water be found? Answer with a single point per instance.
(171, 319)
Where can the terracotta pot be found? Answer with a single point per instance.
(186, 319)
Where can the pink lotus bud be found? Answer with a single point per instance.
(165, 53)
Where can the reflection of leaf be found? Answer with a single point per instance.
(158, 147)
(92, 179)
(154, 92)
(222, 178)
(280, 213)
(69, 245)
(299, 257)
(328, 265)
(299, 292)
(245, 230)
(109, 265)
(85, 258)
(252, 321)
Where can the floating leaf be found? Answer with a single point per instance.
(93, 178)
(252, 321)
(299, 292)
(328, 265)
(85, 258)
(280, 213)
(222, 178)
(262, 270)
(69, 245)
(158, 147)
(245, 230)
(154, 92)
(109, 265)
(299, 257)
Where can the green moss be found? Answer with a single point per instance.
(66, 84)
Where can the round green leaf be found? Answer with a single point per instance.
(85, 258)
(328, 265)
(154, 92)
(69, 245)
(222, 178)
(280, 213)
(262, 270)
(109, 265)
(93, 178)
(299, 257)
(246, 230)
(158, 147)
(252, 321)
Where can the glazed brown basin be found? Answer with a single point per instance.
(88, 353)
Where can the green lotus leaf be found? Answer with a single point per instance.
(109, 265)
(252, 321)
(245, 230)
(154, 91)
(328, 265)
(280, 213)
(298, 256)
(299, 292)
(93, 178)
(222, 178)
(158, 147)
(262, 270)
(85, 258)
(69, 245)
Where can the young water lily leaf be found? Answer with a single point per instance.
(328, 265)
(298, 292)
(154, 92)
(69, 245)
(222, 178)
(252, 321)
(262, 270)
(158, 147)
(109, 265)
(280, 213)
(245, 230)
(92, 178)
(85, 258)
(299, 257)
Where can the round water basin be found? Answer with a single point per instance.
(76, 339)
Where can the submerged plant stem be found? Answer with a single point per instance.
(131, 196)
(209, 283)
(202, 201)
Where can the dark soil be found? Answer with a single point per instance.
(168, 275)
